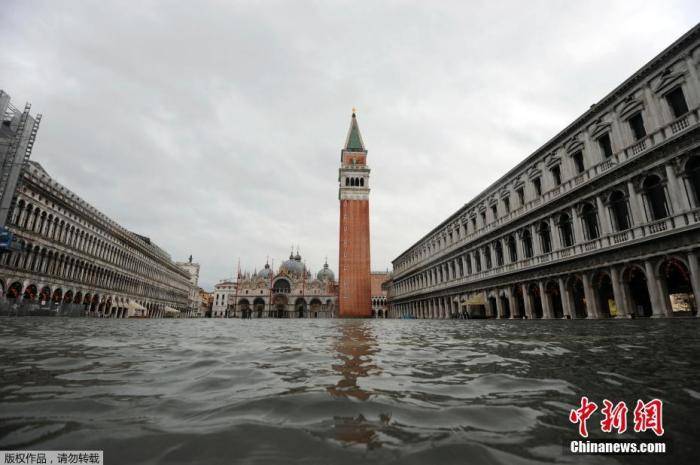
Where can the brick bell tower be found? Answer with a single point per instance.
(354, 265)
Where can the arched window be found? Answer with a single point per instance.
(347, 181)
(545, 237)
(692, 170)
(566, 230)
(619, 211)
(655, 198)
(527, 243)
(499, 253)
(487, 254)
(590, 221)
(512, 249)
(362, 182)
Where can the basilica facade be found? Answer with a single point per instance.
(289, 292)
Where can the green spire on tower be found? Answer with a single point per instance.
(354, 141)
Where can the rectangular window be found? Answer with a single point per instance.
(483, 218)
(506, 204)
(578, 162)
(473, 224)
(605, 146)
(637, 126)
(676, 100)
(494, 211)
(521, 196)
(537, 184)
(556, 175)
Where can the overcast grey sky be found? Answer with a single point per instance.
(215, 127)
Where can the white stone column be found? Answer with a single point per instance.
(554, 234)
(566, 299)
(536, 245)
(605, 227)
(591, 301)
(679, 200)
(546, 304)
(636, 210)
(618, 293)
(657, 305)
(695, 280)
(528, 303)
(499, 307)
(577, 227)
(512, 302)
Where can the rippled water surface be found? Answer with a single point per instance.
(338, 391)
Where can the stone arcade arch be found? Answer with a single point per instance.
(280, 306)
(619, 212)
(603, 288)
(315, 308)
(578, 297)
(505, 305)
(553, 293)
(493, 307)
(57, 296)
(44, 294)
(259, 307)
(533, 291)
(518, 312)
(15, 290)
(589, 221)
(636, 286)
(30, 292)
(655, 198)
(677, 287)
(244, 308)
(300, 308)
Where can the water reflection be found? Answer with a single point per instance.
(354, 348)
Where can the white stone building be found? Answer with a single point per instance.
(194, 298)
(73, 259)
(601, 221)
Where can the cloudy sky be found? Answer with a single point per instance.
(216, 127)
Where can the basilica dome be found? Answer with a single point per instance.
(266, 272)
(293, 265)
(325, 274)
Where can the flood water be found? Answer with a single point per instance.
(339, 391)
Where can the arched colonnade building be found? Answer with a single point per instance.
(72, 259)
(601, 221)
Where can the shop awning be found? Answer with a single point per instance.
(136, 306)
(171, 310)
(476, 299)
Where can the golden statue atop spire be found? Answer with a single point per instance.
(354, 110)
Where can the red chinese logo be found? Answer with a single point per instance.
(581, 415)
(614, 417)
(647, 416)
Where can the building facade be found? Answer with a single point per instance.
(194, 298)
(353, 249)
(72, 259)
(602, 221)
(379, 301)
(290, 292)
